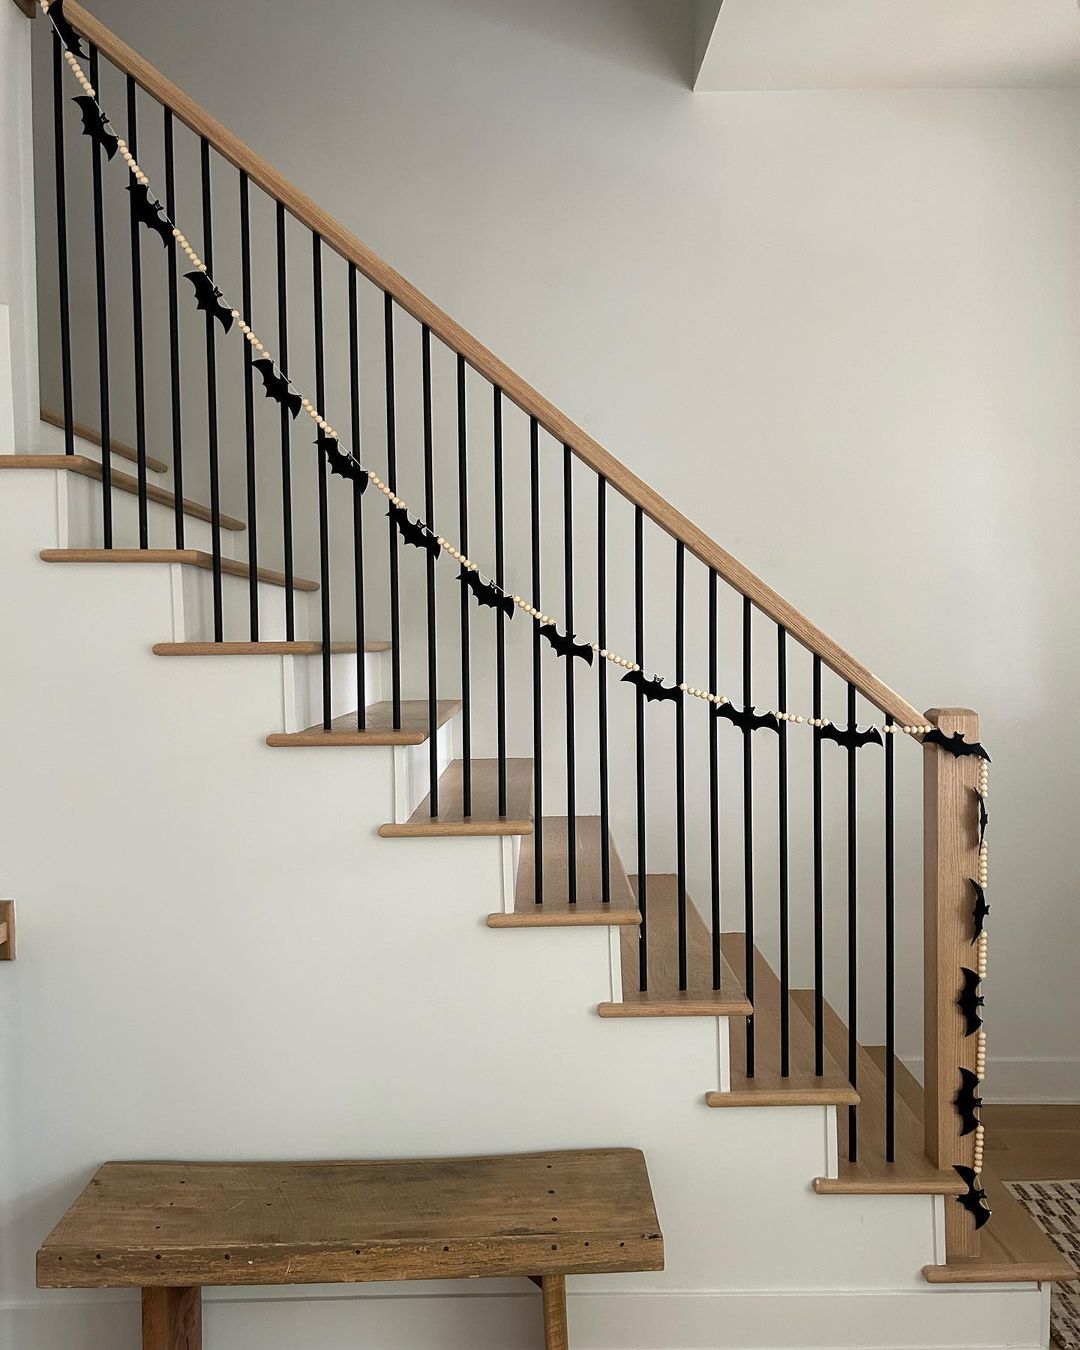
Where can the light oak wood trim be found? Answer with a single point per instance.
(187, 557)
(7, 930)
(88, 433)
(299, 647)
(950, 858)
(123, 482)
(172, 1318)
(417, 304)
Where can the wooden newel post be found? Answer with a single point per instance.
(951, 860)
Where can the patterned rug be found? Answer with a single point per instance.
(1055, 1207)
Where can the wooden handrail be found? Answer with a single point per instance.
(414, 302)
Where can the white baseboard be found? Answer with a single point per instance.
(985, 1317)
(1024, 1079)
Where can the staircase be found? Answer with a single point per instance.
(324, 953)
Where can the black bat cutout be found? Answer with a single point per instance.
(979, 913)
(851, 738)
(974, 1198)
(62, 23)
(148, 212)
(416, 534)
(968, 1102)
(955, 744)
(746, 718)
(94, 124)
(970, 1001)
(208, 297)
(653, 688)
(277, 386)
(564, 644)
(341, 462)
(487, 593)
(984, 817)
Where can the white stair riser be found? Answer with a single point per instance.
(86, 525)
(194, 621)
(412, 769)
(303, 686)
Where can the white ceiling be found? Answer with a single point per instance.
(872, 44)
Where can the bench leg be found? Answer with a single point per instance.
(172, 1319)
(554, 1290)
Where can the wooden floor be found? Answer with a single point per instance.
(1033, 1143)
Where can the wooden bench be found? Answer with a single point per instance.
(170, 1228)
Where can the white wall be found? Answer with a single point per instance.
(840, 330)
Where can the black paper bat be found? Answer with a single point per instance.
(979, 913)
(487, 593)
(148, 212)
(654, 689)
(851, 738)
(94, 125)
(564, 644)
(341, 462)
(968, 1102)
(746, 718)
(277, 386)
(984, 818)
(970, 1001)
(974, 1198)
(955, 744)
(416, 534)
(68, 35)
(208, 297)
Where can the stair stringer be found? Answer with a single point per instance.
(220, 958)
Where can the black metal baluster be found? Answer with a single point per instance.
(249, 414)
(853, 934)
(819, 912)
(102, 327)
(137, 320)
(175, 406)
(500, 617)
(429, 520)
(890, 950)
(211, 397)
(571, 750)
(714, 789)
(391, 483)
(286, 433)
(61, 241)
(466, 637)
(537, 666)
(639, 738)
(748, 834)
(782, 818)
(324, 512)
(602, 704)
(358, 514)
(680, 754)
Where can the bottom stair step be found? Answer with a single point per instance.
(484, 817)
(560, 908)
(663, 998)
(769, 1087)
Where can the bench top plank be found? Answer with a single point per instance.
(225, 1223)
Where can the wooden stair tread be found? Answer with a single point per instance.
(556, 911)
(663, 998)
(1012, 1246)
(298, 647)
(802, 1087)
(125, 482)
(380, 728)
(912, 1173)
(484, 818)
(87, 433)
(188, 557)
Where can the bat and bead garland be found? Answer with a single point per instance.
(654, 689)
(208, 298)
(974, 1198)
(96, 125)
(487, 593)
(563, 644)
